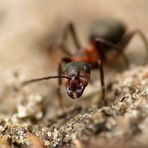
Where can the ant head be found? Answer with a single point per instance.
(78, 74)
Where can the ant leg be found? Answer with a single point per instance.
(62, 42)
(59, 86)
(100, 64)
(69, 29)
(64, 60)
(113, 46)
(129, 35)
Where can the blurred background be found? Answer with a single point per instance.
(29, 27)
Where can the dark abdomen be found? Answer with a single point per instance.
(108, 29)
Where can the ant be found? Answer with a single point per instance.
(105, 36)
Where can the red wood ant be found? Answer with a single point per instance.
(105, 36)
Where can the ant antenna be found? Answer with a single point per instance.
(40, 79)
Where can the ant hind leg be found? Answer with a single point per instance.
(115, 47)
(129, 35)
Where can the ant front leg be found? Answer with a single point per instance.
(100, 65)
(59, 86)
(129, 35)
(64, 60)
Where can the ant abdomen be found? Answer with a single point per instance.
(108, 29)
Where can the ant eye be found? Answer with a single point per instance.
(86, 67)
(84, 77)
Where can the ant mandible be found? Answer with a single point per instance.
(105, 36)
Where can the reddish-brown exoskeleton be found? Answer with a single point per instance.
(105, 36)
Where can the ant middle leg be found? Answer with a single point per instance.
(70, 28)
